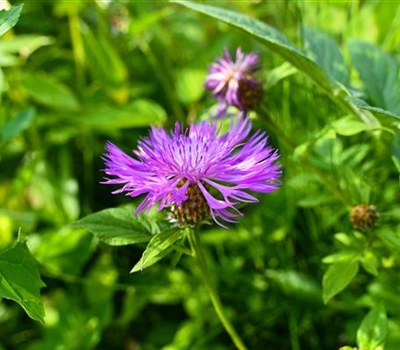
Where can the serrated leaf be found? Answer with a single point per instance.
(48, 91)
(337, 278)
(373, 329)
(20, 280)
(379, 73)
(379, 112)
(9, 19)
(119, 226)
(157, 248)
(269, 36)
(15, 126)
(326, 53)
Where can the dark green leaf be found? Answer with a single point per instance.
(379, 112)
(49, 91)
(15, 126)
(326, 53)
(379, 73)
(269, 36)
(337, 277)
(119, 226)
(373, 329)
(20, 280)
(9, 19)
(157, 248)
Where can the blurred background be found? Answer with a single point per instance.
(74, 74)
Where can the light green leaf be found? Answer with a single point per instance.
(157, 248)
(337, 277)
(269, 36)
(296, 284)
(139, 113)
(189, 84)
(350, 125)
(279, 73)
(342, 256)
(9, 19)
(119, 226)
(48, 91)
(20, 281)
(64, 251)
(373, 329)
(379, 73)
(370, 262)
(20, 123)
(326, 53)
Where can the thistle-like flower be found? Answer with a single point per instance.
(233, 82)
(198, 172)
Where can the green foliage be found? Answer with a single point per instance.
(373, 330)
(296, 264)
(9, 19)
(119, 226)
(20, 280)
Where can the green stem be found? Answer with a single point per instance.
(194, 237)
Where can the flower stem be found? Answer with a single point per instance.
(194, 237)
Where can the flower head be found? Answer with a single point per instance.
(233, 82)
(198, 172)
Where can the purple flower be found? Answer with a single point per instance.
(197, 172)
(233, 82)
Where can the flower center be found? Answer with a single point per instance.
(363, 216)
(193, 210)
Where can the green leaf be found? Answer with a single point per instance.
(296, 284)
(119, 226)
(139, 113)
(20, 123)
(389, 237)
(48, 91)
(337, 277)
(350, 125)
(342, 256)
(370, 262)
(379, 112)
(20, 280)
(279, 73)
(64, 251)
(105, 64)
(189, 84)
(373, 329)
(326, 53)
(157, 248)
(379, 73)
(9, 19)
(269, 36)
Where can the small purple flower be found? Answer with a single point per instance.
(197, 172)
(233, 82)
